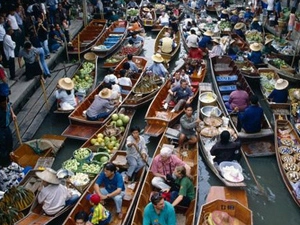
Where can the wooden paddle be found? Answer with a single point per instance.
(137, 149)
(44, 92)
(18, 131)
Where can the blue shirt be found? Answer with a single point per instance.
(133, 66)
(111, 184)
(255, 26)
(279, 96)
(136, 40)
(251, 118)
(158, 69)
(205, 40)
(255, 57)
(240, 33)
(166, 217)
(248, 15)
(182, 93)
(234, 19)
(278, 7)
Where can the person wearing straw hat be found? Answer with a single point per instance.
(6, 140)
(255, 25)
(234, 19)
(65, 94)
(102, 106)
(255, 56)
(52, 195)
(268, 47)
(216, 50)
(147, 14)
(238, 29)
(205, 40)
(280, 93)
(224, 14)
(157, 67)
(248, 15)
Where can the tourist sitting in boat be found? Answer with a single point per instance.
(210, 3)
(255, 56)
(65, 94)
(100, 215)
(248, 14)
(110, 184)
(280, 93)
(255, 25)
(238, 29)
(238, 98)
(216, 50)
(157, 68)
(234, 19)
(53, 196)
(187, 20)
(159, 211)
(132, 4)
(167, 44)
(205, 40)
(163, 20)
(163, 166)
(224, 15)
(185, 76)
(136, 39)
(189, 123)
(186, 190)
(250, 120)
(171, 32)
(137, 153)
(82, 218)
(181, 95)
(146, 14)
(192, 39)
(123, 79)
(195, 52)
(175, 79)
(102, 106)
(268, 48)
(133, 67)
(226, 150)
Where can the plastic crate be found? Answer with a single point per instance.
(119, 30)
(225, 98)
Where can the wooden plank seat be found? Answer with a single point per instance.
(225, 79)
(227, 89)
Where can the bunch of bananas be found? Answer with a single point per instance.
(10, 215)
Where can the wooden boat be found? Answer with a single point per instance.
(231, 201)
(187, 216)
(240, 42)
(80, 127)
(111, 39)
(247, 69)
(224, 76)
(167, 56)
(85, 39)
(157, 27)
(28, 153)
(157, 117)
(287, 144)
(208, 139)
(131, 195)
(146, 22)
(122, 53)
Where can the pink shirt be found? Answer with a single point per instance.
(292, 19)
(239, 98)
(166, 167)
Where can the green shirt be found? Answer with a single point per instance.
(186, 187)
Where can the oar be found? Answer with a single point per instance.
(44, 92)
(137, 149)
(18, 131)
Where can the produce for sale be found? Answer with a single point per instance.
(122, 53)
(79, 179)
(225, 26)
(71, 164)
(253, 36)
(84, 79)
(279, 63)
(132, 12)
(82, 153)
(91, 168)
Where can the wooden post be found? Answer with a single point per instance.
(84, 8)
(44, 93)
(18, 131)
(78, 47)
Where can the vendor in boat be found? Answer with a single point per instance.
(238, 99)
(216, 50)
(255, 25)
(255, 56)
(189, 123)
(280, 93)
(251, 119)
(136, 39)
(163, 20)
(132, 66)
(195, 52)
(205, 40)
(146, 14)
(186, 190)
(6, 140)
(163, 166)
(248, 14)
(268, 48)
(167, 44)
(224, 14)
(180, 95)
(157, 68)
(234, 19)
(65, 94)
(113, 186)
(136, 26)
(159, 211)
(137, 153)
(102, 106)
(124, 81)
(238, 29)
(53, 196)
(226, 150)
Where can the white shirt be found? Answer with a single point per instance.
(9, 46)
(270, 5)
(187, 20)
(65, 98)
(193, 4)
(164, 19)
(192, 39)
(13, 22)
(2, 32)
(216, 51)
(125, 81)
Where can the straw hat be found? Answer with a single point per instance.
(48, 175)
(167, 34)
(208, 33)
(241, 15)
(216, 41)
(247, 8)
(105, 93)
(146, 9)
(281, 84)
(66, 83)
(157, 58)
(255, 47)
(268, 41)
(234, 12)
(232, 41)
(193, 45)
(224, 11)
(239, 26)
(255, 19)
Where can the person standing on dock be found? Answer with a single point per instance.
(9, 50)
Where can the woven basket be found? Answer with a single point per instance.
(90, 56)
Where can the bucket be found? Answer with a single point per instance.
(297, 26)
(225, 121)
(208, 98)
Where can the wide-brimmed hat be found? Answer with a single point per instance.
(105, 93)
(247, 7)
(66, 83)
(255, 19)
(269, 40)
(194, 45)
(234, 12)
(216, 41)
(146, 9)
(281, 84)
(157, 58)
(232, 41)
(208, 33)
(48, 175)
(255, 47)
(225, 11)
(239, 26)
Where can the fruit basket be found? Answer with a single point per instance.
(293, 176)
(82, 154)
(290, 166)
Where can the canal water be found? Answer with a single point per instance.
(273, 206)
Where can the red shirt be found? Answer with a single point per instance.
(2, 74)
(195, 53)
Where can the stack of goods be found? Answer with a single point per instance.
(84, 78)
(10, 176)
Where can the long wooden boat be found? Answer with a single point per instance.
(247, 69)
(157, 117)
(188, 156)
(80, 127)
(157, 27)
(224, 77)
(122, 53)
(111, 39)
(167, 56)
(131, 193)
(208, 139)
(146, 22)
(240, 42)
(287, 144)
(86, 38)
(234, 202)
